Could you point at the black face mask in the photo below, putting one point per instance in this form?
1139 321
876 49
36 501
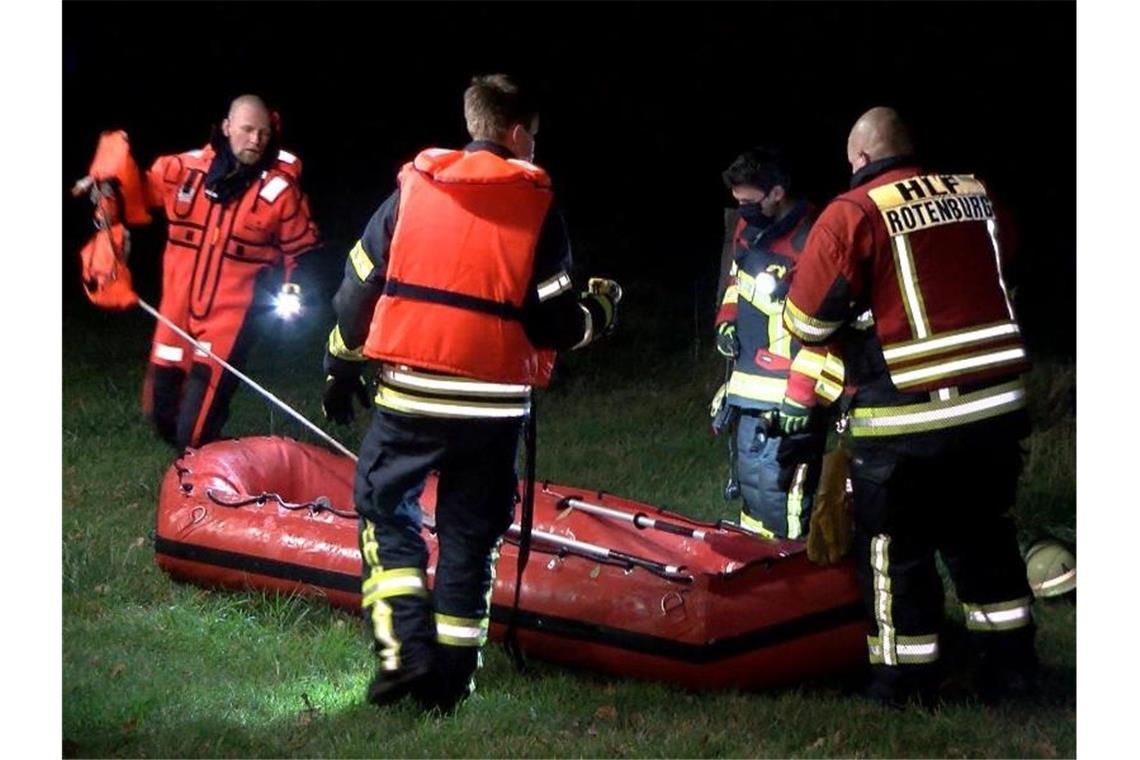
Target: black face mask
752 213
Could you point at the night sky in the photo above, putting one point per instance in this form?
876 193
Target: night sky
644 105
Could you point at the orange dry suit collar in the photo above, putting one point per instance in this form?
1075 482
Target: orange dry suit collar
227 178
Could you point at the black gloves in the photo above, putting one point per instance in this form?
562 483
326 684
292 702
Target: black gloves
337 399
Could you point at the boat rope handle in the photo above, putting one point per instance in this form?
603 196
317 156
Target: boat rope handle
316 506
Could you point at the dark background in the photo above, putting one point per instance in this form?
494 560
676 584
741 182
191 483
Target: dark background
645 104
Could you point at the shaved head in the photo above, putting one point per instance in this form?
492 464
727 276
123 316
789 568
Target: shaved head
879 133
248 101
248 127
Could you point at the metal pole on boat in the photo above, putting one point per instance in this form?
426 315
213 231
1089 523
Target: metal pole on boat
245 379
638 519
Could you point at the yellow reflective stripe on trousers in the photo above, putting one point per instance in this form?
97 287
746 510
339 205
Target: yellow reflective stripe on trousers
757 387
807 327
381 614
400 581
881 582
754 525
796 501
999 616
909 650
934 415
461 632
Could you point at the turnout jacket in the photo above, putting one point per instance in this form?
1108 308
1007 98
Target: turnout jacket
771 357
914 258
461 287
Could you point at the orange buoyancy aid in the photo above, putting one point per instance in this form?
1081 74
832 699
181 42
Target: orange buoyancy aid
106 278
460 263
113 161
212 241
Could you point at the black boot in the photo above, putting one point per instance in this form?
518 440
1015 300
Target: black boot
390 686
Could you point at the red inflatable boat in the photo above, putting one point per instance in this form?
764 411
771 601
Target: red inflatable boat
612 585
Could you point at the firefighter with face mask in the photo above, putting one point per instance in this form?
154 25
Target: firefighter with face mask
937 412
767 238
460 286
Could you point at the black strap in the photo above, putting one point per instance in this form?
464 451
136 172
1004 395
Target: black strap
530 437
450 298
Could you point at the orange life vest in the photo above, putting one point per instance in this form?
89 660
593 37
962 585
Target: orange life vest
460 263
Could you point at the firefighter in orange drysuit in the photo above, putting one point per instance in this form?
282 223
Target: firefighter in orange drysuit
235 210
461 287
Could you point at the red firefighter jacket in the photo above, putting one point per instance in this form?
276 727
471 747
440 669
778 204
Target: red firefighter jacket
920 252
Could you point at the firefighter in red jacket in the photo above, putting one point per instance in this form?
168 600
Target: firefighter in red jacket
460 286
770 231
905 272
234 210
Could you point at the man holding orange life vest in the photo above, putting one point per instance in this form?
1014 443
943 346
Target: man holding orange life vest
461 287
234 210
905 271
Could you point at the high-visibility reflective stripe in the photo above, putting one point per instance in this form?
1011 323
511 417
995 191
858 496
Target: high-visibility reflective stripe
588 334
803 326
197 153
909 650
205 346
808 362
796 501
949 340
730 295
1059 580
402 402
827 390
991 227
167 353
911 418
457 631
370 548
273 189
560 283
388 584
956 366
361 263
1000 616
908 283
757 387
402 376
286 156
880 566
757 290
751 523
339 349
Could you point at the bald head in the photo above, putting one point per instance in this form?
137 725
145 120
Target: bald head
248 128
878 134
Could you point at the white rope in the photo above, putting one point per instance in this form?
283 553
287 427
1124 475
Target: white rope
245 379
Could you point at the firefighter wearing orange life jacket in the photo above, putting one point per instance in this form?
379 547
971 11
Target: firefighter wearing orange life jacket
769 234
235 211
936 360
460 286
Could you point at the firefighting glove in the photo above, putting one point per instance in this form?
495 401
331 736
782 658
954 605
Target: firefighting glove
830 532
726 341
605 294
793 417
337 400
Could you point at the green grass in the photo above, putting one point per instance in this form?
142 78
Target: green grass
155 668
